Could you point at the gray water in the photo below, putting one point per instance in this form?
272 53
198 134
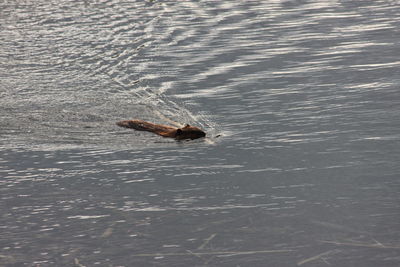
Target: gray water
300 101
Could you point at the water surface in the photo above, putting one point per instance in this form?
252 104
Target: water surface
303 95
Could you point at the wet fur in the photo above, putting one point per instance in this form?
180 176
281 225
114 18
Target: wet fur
187 132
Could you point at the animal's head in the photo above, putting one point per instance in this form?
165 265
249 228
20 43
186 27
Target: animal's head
189 132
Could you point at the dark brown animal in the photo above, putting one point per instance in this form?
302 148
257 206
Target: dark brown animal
187 132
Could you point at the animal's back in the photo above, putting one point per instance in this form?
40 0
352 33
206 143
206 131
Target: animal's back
187 132
140 125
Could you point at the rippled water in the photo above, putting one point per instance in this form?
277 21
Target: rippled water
304 96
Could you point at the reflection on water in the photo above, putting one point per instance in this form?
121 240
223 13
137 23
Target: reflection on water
303 95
